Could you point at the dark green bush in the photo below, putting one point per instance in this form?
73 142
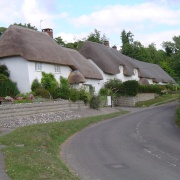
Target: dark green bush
8 88
95 102
35 85
42 93
151 89
4 70
131 87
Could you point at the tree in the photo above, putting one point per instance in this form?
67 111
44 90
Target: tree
28 25
97 37
2 30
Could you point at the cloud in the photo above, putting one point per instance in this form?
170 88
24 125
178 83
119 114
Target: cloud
25 11
70 37
123 15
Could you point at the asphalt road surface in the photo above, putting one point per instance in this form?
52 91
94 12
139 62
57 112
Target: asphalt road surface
140 146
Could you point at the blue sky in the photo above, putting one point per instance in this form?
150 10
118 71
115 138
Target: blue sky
151 21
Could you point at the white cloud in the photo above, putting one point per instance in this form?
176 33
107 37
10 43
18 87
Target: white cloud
157 37
70 37
120 15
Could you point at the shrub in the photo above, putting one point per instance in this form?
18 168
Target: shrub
3 77
4 70
85 96
131 87
151 89
95 102
35 85
113 84
64 90
8 88
74 94
49 82
42 93
105 92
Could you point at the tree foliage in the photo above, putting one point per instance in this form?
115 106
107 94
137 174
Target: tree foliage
28 25
4 70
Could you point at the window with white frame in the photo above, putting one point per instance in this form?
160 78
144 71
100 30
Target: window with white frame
57 68
38 66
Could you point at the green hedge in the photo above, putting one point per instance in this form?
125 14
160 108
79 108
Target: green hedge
151 89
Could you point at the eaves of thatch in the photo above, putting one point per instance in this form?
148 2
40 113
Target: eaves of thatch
83 65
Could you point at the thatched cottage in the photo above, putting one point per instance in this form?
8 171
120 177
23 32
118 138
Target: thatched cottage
27 53
112 64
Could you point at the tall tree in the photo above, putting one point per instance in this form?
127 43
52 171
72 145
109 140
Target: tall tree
97 37
2 30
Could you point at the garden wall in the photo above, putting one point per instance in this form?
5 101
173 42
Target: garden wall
131 101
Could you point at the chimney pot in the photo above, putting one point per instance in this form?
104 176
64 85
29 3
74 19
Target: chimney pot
114 47
106 43
49 31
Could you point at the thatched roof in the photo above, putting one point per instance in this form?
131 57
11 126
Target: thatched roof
32 45
40 47
83 65
143 81
102 56
109 60
75 77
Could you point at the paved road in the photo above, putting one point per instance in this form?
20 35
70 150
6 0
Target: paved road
143 145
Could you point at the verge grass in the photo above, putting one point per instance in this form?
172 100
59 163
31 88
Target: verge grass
178 113
158 100
32 152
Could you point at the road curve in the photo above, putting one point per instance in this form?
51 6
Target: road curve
139 146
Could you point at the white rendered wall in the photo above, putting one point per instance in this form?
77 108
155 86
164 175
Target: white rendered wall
18 68
23 72
47 68
95 83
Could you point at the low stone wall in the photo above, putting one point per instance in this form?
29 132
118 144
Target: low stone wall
131 101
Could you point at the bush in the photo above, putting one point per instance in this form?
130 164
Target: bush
151 89
35 85
85 96
113 84
131 87
95 102
42 93
49 82
8 88
105 92
4 70
74 95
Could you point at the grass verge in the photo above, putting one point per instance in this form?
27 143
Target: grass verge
158 100
32 152
178 113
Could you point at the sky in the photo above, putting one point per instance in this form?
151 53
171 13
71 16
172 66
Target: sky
150 21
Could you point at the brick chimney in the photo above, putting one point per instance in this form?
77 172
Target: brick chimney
106 43
49 31
114 47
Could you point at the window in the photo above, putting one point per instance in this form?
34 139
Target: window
38 66
57 69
